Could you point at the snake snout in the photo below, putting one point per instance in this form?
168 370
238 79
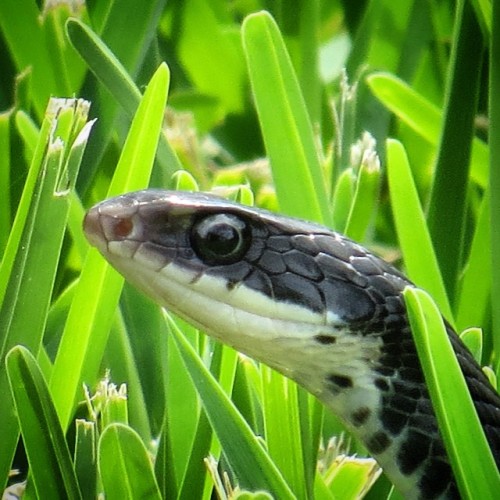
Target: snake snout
92 227
107 222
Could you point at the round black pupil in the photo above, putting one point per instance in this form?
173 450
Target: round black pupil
222 239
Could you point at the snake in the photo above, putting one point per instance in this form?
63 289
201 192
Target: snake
304 300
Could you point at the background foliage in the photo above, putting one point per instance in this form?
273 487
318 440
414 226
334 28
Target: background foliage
260 110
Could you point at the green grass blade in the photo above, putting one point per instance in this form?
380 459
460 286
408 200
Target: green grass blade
31 259
310 82
250 463
473 339
414 239
365 194
448 202
16 232
284 121
483 9
282 429
21 29
473 301
5 208
124 465
423 117
494 168
113 75
122 364
470 455
104 64
97 294
85 457
51 469
141 314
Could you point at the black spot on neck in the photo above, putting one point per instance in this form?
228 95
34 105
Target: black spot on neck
324 339
341 381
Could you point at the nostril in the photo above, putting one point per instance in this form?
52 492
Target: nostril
123 227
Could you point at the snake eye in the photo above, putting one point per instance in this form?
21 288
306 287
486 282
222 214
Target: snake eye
220 239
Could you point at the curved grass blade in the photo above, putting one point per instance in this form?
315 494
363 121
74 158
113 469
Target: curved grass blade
5 203
284 121
494 169
85 457
423 117
251 464
51 469
124 465
109 70
414 239
29 265
98 291
471 458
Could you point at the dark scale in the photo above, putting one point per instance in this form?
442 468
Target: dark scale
360 416
378 442
414 451
437 480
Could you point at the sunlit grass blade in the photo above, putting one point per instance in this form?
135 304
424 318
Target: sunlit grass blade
365 196
51 469
284 121
418 252
251 464
473 339
343 195
29 265
351 477
471 458
5 208
97 295
124 465
423 117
